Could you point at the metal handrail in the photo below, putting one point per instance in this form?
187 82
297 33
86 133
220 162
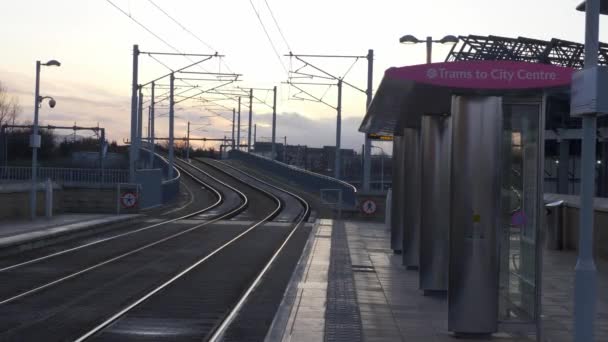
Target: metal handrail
304 171
66 175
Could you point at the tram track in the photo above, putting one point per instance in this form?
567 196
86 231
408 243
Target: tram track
218 296
131 275
50 278
227 234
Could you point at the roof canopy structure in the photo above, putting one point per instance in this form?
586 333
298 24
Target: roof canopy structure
556 51
397 100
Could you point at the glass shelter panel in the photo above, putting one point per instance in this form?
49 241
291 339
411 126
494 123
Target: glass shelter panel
520 212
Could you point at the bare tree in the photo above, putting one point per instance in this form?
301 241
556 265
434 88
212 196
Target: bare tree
9 106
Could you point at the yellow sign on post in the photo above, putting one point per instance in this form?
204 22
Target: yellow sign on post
375 136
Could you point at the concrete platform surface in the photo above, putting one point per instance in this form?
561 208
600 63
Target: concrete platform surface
20 232
390 307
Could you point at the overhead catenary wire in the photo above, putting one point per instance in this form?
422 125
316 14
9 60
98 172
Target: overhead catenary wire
130 16
181 26
143 26
274 48
151 32
277 25
188 31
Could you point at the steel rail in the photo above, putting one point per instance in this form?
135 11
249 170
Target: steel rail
142 299
121 256
223 327
218 202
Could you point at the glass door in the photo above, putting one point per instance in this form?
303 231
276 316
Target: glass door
520 195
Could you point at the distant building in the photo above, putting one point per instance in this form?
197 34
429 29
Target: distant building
319 160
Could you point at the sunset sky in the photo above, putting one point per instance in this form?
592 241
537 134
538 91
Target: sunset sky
93 41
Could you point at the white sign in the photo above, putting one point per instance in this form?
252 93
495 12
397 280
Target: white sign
128 199
369 207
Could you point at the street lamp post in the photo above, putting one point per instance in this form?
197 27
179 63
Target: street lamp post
409 39
35 138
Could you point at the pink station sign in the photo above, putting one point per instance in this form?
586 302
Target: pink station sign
485 74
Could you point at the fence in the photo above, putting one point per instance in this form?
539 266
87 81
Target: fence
309 181
65 175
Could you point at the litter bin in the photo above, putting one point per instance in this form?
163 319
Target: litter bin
555 225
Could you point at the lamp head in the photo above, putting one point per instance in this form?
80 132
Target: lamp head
52 62
52 103
449 39
408 39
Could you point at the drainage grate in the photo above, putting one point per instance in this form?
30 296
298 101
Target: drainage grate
342 316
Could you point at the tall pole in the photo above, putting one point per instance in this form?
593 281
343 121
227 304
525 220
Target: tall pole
255 131
585 283
188 143
367 152
233 121
140 104
238 128
274 123
171 122
338 131
152 127
429 50
132 147
102 147
34 141
250 118
149 124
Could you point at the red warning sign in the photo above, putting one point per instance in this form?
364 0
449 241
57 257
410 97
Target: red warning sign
369 207
128 199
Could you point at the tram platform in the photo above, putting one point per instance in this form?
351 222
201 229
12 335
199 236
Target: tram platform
372 297
25 234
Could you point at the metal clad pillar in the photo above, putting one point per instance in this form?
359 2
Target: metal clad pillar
436 135
411 202
397 196
475 214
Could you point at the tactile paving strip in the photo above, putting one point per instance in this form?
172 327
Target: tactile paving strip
342 316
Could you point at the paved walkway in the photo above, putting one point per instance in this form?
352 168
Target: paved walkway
17 232
390 306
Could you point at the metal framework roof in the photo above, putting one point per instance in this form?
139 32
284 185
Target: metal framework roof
556 51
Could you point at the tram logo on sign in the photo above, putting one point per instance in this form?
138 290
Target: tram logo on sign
369 207
128 199
431 73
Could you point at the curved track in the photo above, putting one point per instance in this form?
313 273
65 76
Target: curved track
201 302
187 285
35 283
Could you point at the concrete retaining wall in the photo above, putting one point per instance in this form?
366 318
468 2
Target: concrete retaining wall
75 198
15 200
